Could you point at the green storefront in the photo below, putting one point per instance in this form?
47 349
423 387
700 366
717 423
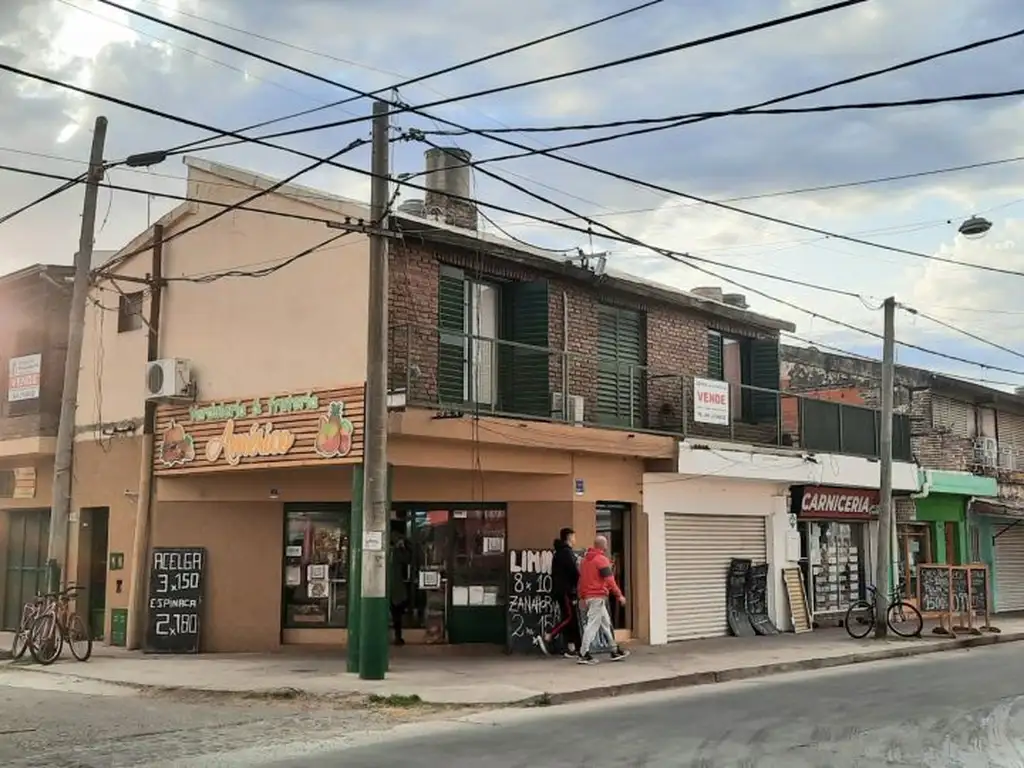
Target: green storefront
942 527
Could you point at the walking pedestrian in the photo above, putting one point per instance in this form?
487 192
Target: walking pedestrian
565 577
398 590
597 582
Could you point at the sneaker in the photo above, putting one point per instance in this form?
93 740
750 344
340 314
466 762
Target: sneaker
588 659
620 654
539 642
571 655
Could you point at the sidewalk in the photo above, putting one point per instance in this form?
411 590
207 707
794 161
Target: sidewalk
443 675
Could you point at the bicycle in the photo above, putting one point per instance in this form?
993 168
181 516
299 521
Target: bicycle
29 612
903 618
56 625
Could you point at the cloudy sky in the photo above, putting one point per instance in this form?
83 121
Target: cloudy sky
376 45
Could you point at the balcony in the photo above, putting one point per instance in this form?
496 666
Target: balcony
458 373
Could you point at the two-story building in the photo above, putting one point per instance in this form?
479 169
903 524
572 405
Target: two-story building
969 441
34 306
527 392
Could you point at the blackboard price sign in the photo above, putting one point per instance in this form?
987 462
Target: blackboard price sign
175 599
532 610
960 590
935 588
979 589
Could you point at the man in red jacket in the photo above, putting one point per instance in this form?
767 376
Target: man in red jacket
597 582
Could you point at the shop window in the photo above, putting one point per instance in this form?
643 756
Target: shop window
836 558
316 563
752 367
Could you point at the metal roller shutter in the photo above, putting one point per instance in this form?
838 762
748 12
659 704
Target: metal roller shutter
698 549
1009 567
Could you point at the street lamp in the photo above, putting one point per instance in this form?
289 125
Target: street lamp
975 227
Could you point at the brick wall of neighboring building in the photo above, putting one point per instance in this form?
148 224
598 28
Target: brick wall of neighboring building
34 320
676 338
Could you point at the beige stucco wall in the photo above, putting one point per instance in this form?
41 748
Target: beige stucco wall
303 326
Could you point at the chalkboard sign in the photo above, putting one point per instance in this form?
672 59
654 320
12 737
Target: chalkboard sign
961 592
531 610
736 598
979 590
757 600
175 599
934 588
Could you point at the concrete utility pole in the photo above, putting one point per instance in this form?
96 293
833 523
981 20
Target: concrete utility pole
60 505
884 555
373 627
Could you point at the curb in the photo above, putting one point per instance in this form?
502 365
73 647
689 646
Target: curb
687 680
692 679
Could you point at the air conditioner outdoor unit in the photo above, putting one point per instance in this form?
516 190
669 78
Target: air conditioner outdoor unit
575 414
169 379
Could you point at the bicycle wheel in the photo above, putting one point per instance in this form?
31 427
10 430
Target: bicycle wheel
20 643
44 639
860 618
79 638
904 619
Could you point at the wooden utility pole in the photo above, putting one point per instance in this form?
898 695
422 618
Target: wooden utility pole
60 506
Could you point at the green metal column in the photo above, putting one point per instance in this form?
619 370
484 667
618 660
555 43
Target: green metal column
374 644
355 570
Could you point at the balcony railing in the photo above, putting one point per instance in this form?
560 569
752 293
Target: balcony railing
462 373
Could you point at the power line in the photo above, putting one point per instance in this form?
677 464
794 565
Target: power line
961 331
821 108
60 189
192 199
869 359
400 108
412 80
121 258
624 177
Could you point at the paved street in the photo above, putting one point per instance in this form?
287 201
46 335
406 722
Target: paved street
955 710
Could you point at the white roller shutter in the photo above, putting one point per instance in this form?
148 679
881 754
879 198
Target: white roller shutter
1009 567
698 549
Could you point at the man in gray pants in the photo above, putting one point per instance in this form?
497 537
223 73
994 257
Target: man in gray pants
597 582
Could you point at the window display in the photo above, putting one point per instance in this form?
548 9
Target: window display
835 552
316 563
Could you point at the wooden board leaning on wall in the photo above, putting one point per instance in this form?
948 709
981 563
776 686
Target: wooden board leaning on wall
321 427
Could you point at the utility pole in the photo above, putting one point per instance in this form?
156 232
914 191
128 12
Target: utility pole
144 503
884 555
60 505
373 626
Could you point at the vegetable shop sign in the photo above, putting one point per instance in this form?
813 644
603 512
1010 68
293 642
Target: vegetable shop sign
308 429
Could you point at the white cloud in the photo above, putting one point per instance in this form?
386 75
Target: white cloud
95 46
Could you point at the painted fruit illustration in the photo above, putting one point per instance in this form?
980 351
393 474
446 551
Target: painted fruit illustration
334 437
176 448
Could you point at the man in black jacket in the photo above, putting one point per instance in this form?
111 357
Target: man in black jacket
565 576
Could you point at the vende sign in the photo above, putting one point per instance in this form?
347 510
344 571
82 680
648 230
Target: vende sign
711 401
23 374
822 502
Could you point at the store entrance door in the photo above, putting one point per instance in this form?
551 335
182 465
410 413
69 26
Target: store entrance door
456 576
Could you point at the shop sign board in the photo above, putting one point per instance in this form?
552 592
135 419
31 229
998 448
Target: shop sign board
316 427
711 402
825 503
23 378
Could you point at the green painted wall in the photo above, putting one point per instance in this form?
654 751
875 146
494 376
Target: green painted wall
939 509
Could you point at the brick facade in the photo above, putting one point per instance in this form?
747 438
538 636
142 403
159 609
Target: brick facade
676 337
34 319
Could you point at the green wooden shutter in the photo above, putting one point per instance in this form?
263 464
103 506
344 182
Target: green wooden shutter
716 358
524 374
620 350
452 347
764 372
